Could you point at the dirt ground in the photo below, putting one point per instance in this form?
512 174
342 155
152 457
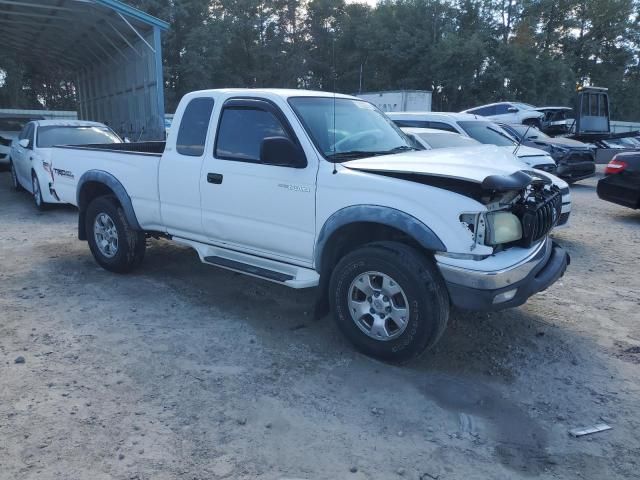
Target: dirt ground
184 371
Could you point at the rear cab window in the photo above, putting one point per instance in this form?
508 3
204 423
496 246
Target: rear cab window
192 134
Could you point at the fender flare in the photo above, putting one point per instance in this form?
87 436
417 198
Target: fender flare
381 215
115 186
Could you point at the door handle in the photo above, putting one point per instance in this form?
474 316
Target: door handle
214 178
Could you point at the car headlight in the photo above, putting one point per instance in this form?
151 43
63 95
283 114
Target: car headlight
502 227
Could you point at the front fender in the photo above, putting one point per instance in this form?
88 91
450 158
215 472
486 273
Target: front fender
381 215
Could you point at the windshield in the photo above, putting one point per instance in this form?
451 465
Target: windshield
531 132
344 127
487 133
67 135
446 140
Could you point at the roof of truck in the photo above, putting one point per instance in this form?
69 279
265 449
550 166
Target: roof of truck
281 92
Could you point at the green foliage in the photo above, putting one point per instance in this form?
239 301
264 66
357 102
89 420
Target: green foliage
467 51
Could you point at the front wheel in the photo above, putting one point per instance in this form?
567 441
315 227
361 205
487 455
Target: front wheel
114 244
37 193
389 300
15 183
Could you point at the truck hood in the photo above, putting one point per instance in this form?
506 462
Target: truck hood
464 163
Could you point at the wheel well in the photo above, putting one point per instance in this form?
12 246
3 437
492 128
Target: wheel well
354 235
89 192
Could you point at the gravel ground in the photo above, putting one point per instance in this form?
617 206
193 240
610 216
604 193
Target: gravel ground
184 371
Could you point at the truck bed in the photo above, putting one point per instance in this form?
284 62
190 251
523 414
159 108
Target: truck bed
133 165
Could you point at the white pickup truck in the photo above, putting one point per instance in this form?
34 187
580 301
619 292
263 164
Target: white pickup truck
312 189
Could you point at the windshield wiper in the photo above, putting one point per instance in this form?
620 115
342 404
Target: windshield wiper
402 148
353 154
350 155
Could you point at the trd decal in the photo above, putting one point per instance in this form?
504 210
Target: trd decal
63 173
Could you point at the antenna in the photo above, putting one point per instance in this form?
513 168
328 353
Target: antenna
524 137
335 75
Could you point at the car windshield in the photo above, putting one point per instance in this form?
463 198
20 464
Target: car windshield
447 140
344 128
70 135
487 133
531 132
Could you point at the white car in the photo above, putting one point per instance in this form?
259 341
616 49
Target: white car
29 155
509 112
430 138
315 189
479 129
10 128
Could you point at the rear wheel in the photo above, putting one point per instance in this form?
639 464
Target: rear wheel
14 177
114 244
36 192
389 300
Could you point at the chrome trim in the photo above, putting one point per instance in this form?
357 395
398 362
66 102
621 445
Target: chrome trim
496 279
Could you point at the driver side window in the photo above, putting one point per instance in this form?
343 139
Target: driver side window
242 130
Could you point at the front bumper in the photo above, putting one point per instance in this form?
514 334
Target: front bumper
508 287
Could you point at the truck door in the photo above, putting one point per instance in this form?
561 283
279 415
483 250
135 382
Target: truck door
180 167
258 208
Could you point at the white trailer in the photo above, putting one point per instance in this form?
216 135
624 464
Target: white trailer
400 100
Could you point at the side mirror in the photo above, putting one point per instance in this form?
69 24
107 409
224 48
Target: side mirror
283 152
24 142
512 110
126 140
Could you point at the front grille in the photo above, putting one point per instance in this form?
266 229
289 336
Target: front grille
539 215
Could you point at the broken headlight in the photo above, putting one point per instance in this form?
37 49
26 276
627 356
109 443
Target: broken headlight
502 227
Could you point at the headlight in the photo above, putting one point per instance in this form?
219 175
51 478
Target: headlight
502 227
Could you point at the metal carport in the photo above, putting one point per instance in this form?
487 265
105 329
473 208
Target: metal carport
113 50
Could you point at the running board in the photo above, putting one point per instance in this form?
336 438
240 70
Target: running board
269 269
249 269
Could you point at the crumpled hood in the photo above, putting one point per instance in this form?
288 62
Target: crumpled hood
467 163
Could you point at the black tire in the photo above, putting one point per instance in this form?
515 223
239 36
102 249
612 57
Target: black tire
14 177
37 193
422 285
131 244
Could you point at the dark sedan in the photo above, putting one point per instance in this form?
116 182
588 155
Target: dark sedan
575 160
621 183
